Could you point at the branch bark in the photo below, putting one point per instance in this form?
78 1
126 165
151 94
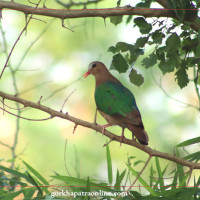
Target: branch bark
80 13
54 113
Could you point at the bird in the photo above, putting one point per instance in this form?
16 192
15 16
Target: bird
116 103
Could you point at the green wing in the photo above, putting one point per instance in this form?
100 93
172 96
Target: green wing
113 98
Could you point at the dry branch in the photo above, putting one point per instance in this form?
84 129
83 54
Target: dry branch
79 13
54 113
107 12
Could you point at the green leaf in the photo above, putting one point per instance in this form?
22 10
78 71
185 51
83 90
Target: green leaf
116 20
72 181
129 18
9 196
151 176
118 3
197 51
193 156
185 27
119 178
15 173
175 180
109 164
180 172
39 176
35 183
112 49
167 66
182 77
123 46
189 142
28 194
143 182
145 4
150 61
135 78
134 54
143 25
157 37
119 63
88 185
173 42
198 36
160 180
141 42
178 7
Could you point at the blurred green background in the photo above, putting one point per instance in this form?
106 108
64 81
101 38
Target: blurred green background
58 60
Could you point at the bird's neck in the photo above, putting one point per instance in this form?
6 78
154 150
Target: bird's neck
105 78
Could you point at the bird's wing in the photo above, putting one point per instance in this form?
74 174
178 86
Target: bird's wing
116 100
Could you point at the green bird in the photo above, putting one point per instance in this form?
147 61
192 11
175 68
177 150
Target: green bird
116 103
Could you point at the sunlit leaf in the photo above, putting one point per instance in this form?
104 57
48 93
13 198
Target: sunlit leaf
135 78
109 164
149 61
189 142
119 63
182 77
116 20
143 25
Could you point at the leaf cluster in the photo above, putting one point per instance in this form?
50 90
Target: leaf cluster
175 46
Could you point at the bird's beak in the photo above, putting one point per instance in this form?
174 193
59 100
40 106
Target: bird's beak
86 74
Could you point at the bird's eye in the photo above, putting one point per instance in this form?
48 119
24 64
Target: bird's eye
94 65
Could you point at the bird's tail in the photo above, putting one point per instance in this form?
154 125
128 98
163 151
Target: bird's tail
139 133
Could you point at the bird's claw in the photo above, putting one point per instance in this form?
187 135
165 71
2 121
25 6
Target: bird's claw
122 137
103 128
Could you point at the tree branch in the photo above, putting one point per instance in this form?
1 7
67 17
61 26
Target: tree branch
54 113
80 13
71 3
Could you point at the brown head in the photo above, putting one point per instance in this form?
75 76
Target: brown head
100 72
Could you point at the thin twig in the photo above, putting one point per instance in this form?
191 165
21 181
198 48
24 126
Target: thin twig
75 126
12 107
67 99
29 48
63 25
177 100
23 30
40 99
111 139
60 89
6 145
18 116
190 175
95 116
139 174
34 87
65 160
196 76
17 104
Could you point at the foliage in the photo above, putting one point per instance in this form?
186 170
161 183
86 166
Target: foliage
32 185
174 44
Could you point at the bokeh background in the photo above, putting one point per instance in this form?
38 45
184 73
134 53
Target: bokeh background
53 68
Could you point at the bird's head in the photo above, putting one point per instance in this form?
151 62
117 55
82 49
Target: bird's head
96 68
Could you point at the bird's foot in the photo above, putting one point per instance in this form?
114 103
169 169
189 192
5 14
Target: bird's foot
104 127
122 136
95 118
